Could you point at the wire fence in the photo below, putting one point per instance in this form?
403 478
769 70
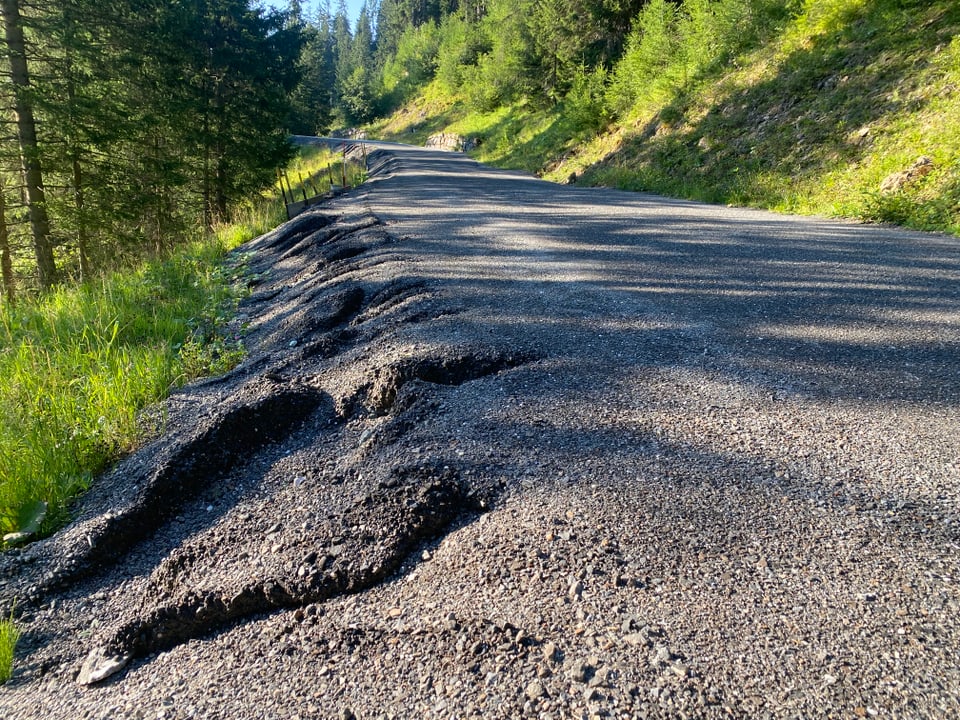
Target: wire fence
349 171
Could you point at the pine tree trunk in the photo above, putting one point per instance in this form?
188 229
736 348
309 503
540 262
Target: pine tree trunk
78 194
6 261
29 148
220 186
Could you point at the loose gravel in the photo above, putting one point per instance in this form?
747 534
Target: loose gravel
505 449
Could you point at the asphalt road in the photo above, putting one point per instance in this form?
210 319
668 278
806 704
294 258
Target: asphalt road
790 304
503 448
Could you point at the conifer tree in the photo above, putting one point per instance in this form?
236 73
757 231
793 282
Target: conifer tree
30 151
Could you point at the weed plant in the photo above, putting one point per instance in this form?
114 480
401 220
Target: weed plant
9 635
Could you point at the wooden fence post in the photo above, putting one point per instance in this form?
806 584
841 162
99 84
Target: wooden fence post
303 189
282 191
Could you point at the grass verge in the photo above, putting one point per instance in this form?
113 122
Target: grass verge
79 364
9 635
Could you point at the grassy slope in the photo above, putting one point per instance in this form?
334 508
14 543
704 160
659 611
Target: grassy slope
811 122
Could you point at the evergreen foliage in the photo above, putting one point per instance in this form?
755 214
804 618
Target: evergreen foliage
149 118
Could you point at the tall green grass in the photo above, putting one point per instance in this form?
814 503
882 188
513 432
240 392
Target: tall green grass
9 635
78 364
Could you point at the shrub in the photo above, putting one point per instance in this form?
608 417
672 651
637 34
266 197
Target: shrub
584 104
414 63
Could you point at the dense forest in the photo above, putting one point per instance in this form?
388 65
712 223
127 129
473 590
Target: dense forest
132 123
590 55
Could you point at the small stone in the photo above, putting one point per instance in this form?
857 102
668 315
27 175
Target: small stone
550 651
635 639
394 612
16 538
579 671
99 666
600 678
660 656
535 690
575 590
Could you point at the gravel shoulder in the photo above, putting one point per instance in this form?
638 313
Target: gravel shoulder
503 448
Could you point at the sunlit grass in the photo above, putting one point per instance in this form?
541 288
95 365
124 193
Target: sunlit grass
77 365
9 635
319 169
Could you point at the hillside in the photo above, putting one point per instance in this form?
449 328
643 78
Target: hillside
812 109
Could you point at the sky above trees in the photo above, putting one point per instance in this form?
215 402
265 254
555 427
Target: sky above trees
311 7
